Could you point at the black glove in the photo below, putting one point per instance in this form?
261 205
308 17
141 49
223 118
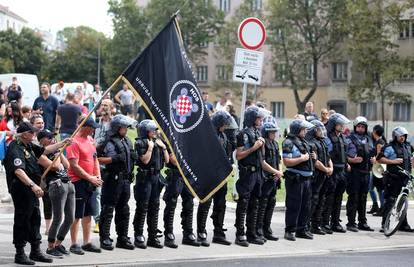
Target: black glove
119 158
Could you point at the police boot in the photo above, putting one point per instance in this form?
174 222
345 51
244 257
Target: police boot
260 218
169 238
327 213
362 218
21 257
202 214
37 255
219 236
405 227
252 222
267 220
139 220
374 208
153 211
105 220
241 211
124 242
351 210
122 225
189 237
336 214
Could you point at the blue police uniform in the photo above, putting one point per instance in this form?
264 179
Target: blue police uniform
358 179
298 185
117 177
394 182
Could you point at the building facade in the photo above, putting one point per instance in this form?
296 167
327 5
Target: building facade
10 20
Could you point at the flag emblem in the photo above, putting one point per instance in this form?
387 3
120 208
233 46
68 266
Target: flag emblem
185 104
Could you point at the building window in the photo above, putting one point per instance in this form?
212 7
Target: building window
402 112
202 73
369 110
222 73
257 5
280 72
405 29
278 109
225 5
340 71
338 105
309 71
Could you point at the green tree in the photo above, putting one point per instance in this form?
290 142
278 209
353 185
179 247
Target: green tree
375 56
199 21
303 34
130 27
21 53
79 60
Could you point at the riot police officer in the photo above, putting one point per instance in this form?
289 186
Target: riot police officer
175 187
360 156
152 153
395 154
323 169
221 120
118 156
271 182
336 184
250 157
298 158
23 179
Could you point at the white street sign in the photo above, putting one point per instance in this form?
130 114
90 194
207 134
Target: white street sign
248 66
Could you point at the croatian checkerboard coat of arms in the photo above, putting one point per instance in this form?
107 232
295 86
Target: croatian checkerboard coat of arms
186 107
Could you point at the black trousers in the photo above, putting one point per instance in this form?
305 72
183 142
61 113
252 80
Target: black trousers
298 197
115 197
357 189
26 226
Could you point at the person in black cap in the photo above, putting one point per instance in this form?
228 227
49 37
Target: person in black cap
61 194
23 180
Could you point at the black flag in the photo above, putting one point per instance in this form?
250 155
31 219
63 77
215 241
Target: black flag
163 78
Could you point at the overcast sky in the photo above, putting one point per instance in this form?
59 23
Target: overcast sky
54 15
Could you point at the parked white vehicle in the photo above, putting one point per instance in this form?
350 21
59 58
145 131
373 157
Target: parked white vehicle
28 82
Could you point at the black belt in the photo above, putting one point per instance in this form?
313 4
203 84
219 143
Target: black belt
250 168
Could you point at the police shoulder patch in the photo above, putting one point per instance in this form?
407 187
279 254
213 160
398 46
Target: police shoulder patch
17 162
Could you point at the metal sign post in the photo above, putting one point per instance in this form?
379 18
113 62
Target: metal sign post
243 105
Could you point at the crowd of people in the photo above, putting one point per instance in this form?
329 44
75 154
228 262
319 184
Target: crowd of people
93 177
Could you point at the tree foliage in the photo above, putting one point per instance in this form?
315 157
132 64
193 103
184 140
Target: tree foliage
377 64
199 21
21 53
79 60
130 27
303 34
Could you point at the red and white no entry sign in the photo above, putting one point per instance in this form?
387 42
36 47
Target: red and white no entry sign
252 33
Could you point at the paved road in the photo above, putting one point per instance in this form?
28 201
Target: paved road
323 251
387 258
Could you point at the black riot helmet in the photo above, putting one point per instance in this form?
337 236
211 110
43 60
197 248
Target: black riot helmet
318 125
221 118
297 125
269 127
145 126
336 119
119 121
252 113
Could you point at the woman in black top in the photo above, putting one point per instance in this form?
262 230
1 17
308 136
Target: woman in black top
62 195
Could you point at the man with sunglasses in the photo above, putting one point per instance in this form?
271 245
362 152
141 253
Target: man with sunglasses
23 180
